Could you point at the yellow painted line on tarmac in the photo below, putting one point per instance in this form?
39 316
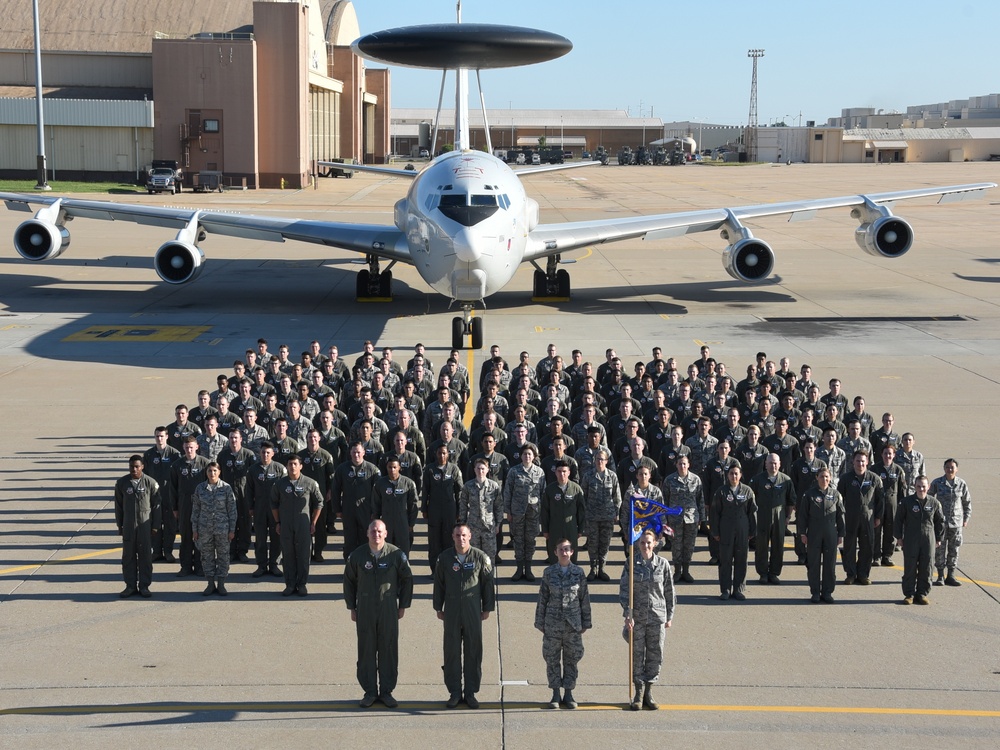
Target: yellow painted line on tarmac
435 707
470 363
86 556
159 334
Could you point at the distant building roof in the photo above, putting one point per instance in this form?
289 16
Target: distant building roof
531 118
909 134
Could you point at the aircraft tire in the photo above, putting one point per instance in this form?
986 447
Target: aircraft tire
457 333
538 284
385 284
562 277
362 284
477 333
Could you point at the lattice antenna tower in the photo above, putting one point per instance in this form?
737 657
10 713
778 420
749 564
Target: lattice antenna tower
750 137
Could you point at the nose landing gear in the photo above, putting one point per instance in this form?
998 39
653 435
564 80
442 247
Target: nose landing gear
466 326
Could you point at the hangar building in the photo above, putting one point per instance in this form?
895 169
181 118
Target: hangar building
256 89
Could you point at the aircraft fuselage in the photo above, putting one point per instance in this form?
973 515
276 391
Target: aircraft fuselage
466 219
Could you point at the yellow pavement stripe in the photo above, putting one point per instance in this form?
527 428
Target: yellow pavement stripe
470 361
435 706
99 553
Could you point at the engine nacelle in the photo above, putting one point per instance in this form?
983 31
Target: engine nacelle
39 240
748 260
178 262
530 213
887 237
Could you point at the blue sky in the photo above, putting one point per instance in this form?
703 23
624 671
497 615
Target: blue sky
689 61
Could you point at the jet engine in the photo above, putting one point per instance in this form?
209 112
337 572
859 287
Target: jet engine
39 240
178 262
748 260
887 237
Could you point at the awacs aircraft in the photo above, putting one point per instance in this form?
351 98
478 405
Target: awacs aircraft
466 223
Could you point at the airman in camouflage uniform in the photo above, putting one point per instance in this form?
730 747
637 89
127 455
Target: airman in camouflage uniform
522 495
563 616
956 504
603 497
213 520
683 489
480 507
651 613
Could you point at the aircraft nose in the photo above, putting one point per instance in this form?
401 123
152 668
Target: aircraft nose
467 247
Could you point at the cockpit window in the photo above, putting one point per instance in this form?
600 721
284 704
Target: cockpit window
468 210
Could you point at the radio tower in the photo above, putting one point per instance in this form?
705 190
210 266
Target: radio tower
750 138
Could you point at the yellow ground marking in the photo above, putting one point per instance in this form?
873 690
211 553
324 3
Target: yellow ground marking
160 334
99 553
540 329
470 409
435 706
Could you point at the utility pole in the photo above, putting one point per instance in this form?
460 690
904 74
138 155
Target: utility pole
750 138
42 182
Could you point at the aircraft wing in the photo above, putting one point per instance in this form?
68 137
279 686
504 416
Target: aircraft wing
385 241
554 167
552 239
392 171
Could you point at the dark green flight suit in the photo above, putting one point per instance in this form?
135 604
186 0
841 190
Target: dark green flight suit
463 591
920 524
377 587
563 514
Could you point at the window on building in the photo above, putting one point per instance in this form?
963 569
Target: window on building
818 137
210 126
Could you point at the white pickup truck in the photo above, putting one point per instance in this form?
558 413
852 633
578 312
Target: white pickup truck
164 177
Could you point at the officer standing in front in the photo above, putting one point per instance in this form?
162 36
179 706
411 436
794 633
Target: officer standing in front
464 596
821 531
563 616
137 515
918 528
296 503
378 589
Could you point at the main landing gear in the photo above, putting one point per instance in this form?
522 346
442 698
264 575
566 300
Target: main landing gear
373 284
552 284
466 325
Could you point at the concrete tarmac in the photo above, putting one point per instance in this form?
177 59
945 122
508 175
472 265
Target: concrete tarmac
96 353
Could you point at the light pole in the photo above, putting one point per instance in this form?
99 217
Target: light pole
42 184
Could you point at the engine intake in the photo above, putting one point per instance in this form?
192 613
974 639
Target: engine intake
887 237
178 262
39 240
748 260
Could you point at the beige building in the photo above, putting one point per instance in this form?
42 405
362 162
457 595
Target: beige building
256 89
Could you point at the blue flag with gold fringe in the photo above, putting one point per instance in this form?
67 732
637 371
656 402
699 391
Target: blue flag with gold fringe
649 515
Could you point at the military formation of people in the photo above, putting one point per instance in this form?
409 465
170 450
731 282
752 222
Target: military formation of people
269 462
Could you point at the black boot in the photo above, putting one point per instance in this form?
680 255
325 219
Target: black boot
220 587
210 588
686 574
518 574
